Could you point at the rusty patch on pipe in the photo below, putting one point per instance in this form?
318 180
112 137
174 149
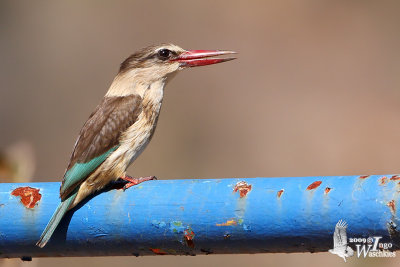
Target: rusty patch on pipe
280 192
364 176
227 223
188 235
391 204
327 190
392 229
314 185
29 196
395 178
158 251
243 188
383 180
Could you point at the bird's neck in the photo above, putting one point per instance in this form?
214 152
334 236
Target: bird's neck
152 98
132 83
151 92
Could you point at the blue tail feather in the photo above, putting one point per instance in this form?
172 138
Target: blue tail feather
55 220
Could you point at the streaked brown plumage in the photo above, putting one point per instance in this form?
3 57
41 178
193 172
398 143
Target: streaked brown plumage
102 130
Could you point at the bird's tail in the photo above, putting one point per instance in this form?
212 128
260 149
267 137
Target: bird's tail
55 220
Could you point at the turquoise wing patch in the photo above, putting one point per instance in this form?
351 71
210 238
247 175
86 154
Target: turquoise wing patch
80 171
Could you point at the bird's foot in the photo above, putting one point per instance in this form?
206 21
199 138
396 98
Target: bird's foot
135 181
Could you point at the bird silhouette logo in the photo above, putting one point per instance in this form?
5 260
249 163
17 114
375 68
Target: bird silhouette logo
340 246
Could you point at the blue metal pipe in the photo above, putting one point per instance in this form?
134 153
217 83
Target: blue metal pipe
250 215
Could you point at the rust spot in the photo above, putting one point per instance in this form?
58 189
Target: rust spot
227 223
314 185
392 229
29 196
364 176
327 189
227 236
158 251
280 192
189 236
395 178
243 188
383 180
391 204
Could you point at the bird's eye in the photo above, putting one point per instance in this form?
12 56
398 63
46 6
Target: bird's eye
164 54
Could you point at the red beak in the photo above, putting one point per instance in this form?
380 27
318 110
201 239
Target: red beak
195 58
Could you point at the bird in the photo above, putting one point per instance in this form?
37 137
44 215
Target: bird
340 246
123 123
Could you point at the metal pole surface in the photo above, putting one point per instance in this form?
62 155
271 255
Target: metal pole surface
202 216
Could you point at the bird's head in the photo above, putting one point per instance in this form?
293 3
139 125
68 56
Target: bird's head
157 62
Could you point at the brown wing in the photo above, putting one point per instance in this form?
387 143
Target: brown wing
100 133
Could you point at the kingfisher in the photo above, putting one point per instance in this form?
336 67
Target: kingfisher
122 125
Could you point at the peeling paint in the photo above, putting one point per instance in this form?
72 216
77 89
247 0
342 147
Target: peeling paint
158 224
176 227
243 188
171 251
395 178
364 176
158 251
228 223
247 228
314 185
189 236
236 222
97 232
29 196
99 235
391 204
383 180
327 190
392 229
227 236
280 192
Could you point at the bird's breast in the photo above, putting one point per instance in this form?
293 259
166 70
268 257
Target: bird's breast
135 139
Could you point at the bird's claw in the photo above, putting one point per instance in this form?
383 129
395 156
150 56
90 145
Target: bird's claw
135 181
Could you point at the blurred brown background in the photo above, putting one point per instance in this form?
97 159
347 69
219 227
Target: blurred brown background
315 91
